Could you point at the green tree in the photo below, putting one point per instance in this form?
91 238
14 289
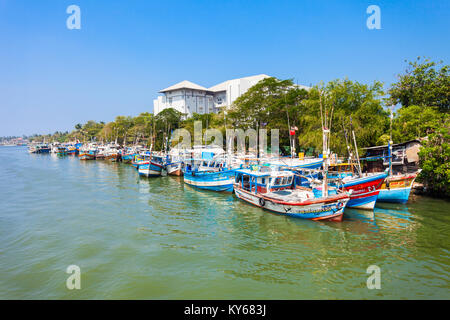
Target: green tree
341 100
424 83
416 122
435 162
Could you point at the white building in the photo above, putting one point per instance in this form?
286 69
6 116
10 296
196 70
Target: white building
189 98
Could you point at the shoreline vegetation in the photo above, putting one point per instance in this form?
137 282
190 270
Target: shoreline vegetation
421 97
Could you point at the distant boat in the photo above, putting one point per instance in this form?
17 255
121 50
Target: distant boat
39 148
112 153
61 151
174 168
88 152
72 150
128 154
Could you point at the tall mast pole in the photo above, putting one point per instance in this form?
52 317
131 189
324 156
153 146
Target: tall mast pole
325 133
356 148
390 142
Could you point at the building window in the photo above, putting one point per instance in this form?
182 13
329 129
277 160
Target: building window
170 100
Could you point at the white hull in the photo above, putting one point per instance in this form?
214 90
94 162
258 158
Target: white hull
314 211
366 206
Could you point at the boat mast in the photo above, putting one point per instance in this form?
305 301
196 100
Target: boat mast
346 143
325 133
356 147
390 143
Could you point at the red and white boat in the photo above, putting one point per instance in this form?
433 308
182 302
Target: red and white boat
276 191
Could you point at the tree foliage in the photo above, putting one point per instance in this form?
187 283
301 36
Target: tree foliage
435 161
424 83
424 94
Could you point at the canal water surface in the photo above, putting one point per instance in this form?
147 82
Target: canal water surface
140 238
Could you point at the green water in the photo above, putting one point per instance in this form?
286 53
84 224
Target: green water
140 238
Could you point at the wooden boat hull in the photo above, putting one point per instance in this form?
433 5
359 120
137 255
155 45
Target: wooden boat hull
86 156
150 169
127 158
174 169
396 189
112 157
365 191
331 208
214 181
41 150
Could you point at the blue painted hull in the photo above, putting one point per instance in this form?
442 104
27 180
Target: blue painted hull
150 170
400 195
362 202
214 181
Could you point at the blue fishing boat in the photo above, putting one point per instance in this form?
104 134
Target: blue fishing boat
365 190
208 180
151 167
397 188
209 175
39 148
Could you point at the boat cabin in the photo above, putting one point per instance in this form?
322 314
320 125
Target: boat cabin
264 180
213 165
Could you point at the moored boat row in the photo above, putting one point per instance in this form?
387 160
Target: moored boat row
307 188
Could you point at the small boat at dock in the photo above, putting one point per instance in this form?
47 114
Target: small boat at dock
39 148
88 152
151 166
276 191
397 188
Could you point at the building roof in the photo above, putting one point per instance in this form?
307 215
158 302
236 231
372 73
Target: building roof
393 145
223 85
184 85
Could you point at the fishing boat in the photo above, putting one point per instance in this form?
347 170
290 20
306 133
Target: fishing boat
151 166
127 154
88 152
175 161
365 186
397 188
61 151
39 148
365 189
112 153
72 150
276 191
209 175
212 171
101 153
175 168
140 158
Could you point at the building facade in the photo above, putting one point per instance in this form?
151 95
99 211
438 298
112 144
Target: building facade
188 97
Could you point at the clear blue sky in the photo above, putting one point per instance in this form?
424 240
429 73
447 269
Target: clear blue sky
126 51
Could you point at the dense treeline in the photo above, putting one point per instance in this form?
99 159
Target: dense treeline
421 97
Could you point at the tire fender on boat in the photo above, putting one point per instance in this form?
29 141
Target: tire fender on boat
262 202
